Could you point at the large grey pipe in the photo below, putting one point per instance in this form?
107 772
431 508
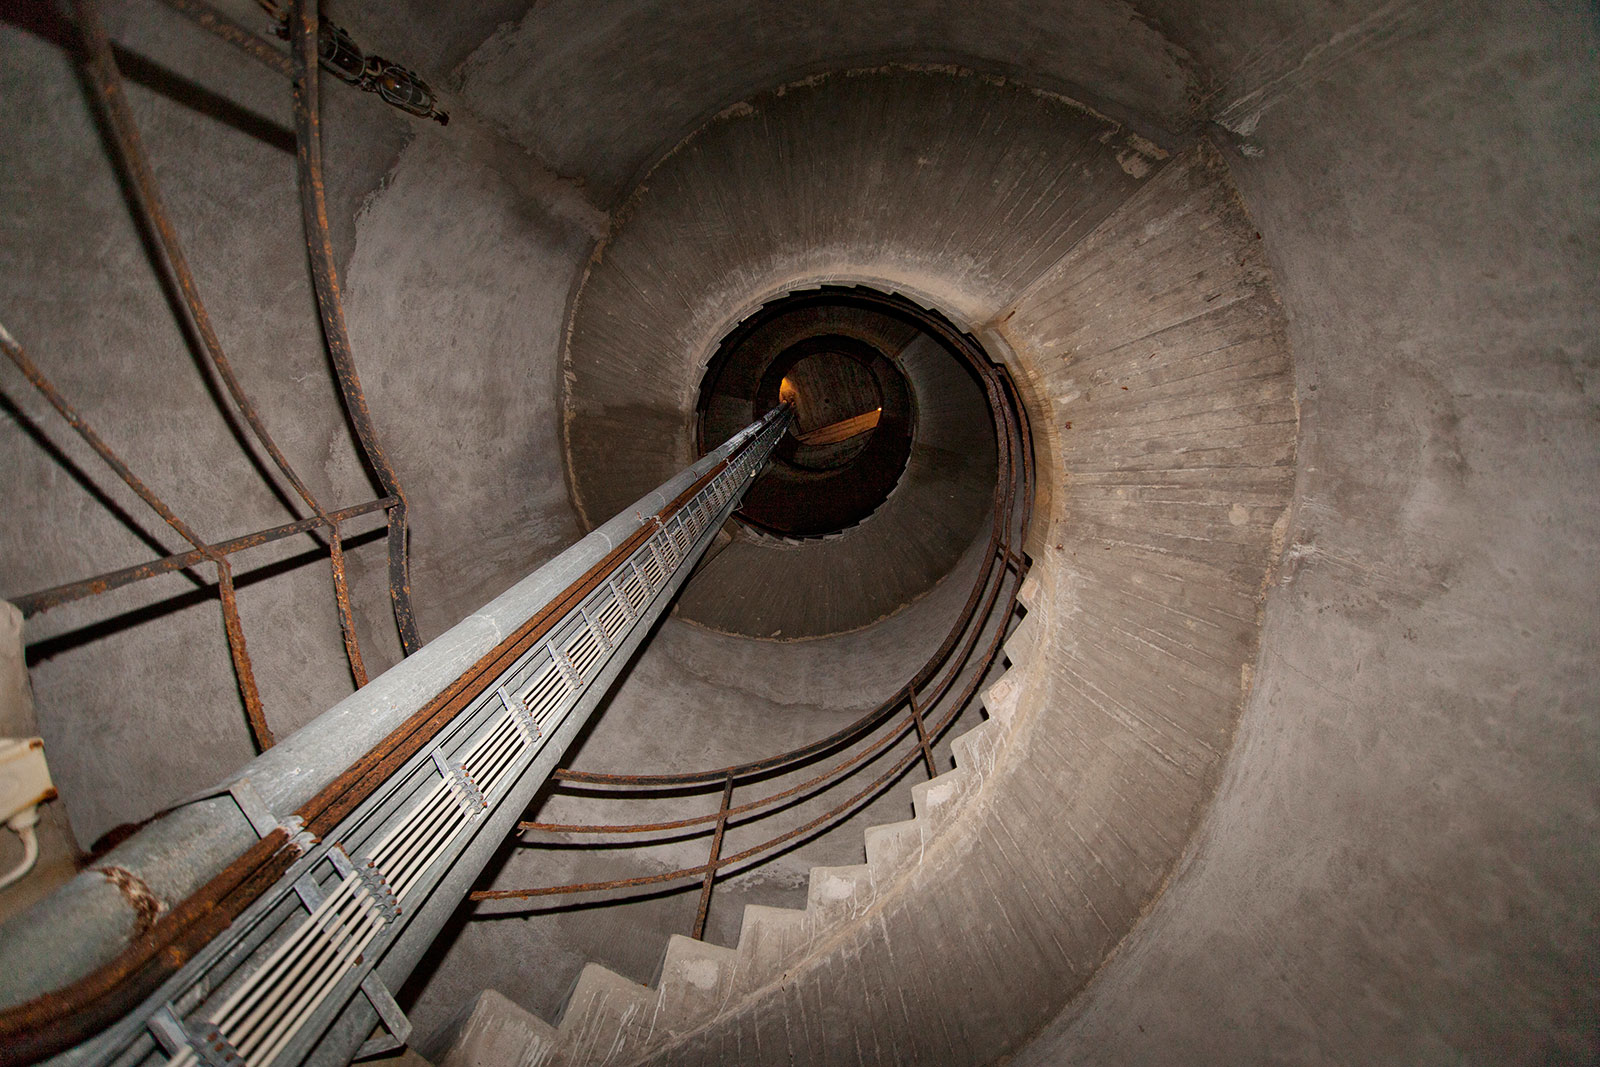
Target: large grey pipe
88 921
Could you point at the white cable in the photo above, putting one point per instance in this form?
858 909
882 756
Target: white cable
23 823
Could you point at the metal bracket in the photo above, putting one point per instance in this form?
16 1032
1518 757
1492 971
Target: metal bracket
371 879
205 1040
597 630
253 806
569 673
213 1049
520 715
395 1024
168 1031
466 791
623 601
644 582
309 892
667 560
378 891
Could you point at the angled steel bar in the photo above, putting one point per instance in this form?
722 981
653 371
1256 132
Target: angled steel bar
922 731
711 868
251 43
105 86
31 604
230 607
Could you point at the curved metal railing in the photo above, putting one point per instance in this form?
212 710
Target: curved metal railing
926 707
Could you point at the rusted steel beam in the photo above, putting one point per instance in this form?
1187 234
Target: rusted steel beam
33 603
105 86
325 280
231 623
711 864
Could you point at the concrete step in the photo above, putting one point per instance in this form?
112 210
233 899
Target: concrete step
608 1019
498 1032
696 978
611 1020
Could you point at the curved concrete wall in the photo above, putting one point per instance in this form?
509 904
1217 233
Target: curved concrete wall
1169 436
1399 862
1415 175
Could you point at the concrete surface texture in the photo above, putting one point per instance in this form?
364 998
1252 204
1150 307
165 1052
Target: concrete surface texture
1296 758
1171 437
694 699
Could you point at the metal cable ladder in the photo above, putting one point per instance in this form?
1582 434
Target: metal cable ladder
305 971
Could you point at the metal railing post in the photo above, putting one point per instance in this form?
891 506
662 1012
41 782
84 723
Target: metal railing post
711 864
922 731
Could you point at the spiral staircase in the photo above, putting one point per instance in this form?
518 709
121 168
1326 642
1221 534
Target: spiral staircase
1166 426
1289 757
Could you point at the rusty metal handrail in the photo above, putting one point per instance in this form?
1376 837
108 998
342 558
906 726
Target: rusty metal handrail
1013 498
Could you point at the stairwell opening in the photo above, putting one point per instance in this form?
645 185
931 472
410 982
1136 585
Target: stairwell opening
892 443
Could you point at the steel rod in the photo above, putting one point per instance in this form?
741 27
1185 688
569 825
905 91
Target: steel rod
252 44
254 713
325 280
231 623
716 853
922 732
105 85
33 603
